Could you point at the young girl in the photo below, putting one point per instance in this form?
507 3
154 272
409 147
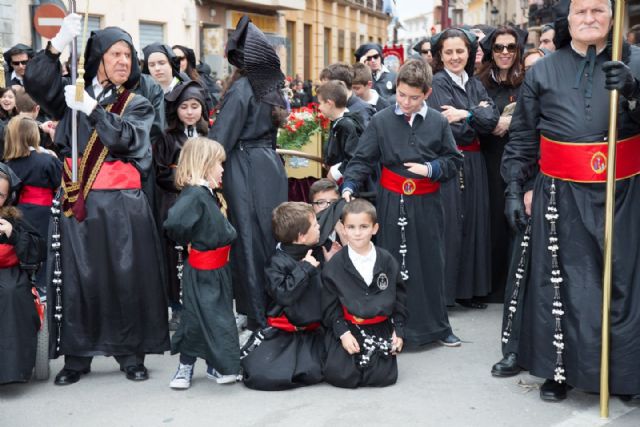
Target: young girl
186 118
40 173
19 322
207 328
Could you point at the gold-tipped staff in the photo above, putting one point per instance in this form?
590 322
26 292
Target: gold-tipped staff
80 80
2 82
609 216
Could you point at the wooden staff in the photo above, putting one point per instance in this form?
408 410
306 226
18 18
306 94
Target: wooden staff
74 113
609 215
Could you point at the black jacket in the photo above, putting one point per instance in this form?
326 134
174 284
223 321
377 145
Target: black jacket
343 140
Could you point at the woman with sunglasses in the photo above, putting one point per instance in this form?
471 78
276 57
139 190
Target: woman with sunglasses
470 111
423 48
501 73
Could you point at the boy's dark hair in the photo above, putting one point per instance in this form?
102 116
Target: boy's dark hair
321 186
416 73
338 71
358 206
361 74
24 103
290 219
333 90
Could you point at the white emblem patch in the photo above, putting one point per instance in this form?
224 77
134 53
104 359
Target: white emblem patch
382 282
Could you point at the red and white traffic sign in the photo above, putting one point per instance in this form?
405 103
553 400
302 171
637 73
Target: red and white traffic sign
47 19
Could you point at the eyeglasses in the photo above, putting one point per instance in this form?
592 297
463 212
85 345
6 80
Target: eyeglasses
499 48
323 204
425 51
372 57
16 63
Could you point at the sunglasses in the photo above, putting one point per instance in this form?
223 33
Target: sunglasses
425 51
16 63
499 48
372 57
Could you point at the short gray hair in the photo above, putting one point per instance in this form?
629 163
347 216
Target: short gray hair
609 3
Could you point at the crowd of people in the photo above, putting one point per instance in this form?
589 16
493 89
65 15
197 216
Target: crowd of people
471 175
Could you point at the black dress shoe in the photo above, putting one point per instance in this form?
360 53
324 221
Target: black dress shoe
552 391
68 376
632 398
136 372
507 367
472 303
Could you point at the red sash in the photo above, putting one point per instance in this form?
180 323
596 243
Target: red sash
36 196
474 146
116 175
360 321
209 260
587 162
407 186
75 193
283 323
8 257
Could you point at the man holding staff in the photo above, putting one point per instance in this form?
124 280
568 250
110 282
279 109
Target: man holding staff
566 126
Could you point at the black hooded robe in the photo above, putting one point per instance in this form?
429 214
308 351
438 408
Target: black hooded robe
111 260
19 321
390 141
467 238
552 107
254 183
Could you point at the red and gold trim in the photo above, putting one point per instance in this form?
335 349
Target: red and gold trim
407 186
360 321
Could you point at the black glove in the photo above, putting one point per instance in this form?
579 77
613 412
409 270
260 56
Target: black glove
514 206
619 76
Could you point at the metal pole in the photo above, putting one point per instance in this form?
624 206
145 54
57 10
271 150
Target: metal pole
74 113
609 216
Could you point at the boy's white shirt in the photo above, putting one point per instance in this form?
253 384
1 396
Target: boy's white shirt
364 263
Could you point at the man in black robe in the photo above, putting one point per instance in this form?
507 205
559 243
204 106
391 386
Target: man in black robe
105 261
562 120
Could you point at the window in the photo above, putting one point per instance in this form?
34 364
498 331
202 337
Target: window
327 46
150 33
93 24
291 47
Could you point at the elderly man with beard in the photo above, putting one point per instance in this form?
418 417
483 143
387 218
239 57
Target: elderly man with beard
107 263
561 123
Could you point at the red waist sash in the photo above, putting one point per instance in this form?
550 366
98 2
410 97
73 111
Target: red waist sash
36 195
587 162
282 323
8 257
360 321
407 186
209 260
474 146
116 175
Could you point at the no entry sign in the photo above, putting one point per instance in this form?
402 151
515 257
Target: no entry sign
47 19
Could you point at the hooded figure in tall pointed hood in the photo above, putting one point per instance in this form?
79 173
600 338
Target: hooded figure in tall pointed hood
255 181
108 250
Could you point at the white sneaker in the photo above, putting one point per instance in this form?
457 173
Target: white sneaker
182 379
212 374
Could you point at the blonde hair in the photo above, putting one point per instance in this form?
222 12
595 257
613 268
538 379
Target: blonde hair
21 133
197 158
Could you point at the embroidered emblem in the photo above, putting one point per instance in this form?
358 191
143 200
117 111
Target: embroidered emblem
409 186
389 85
599 162
382 282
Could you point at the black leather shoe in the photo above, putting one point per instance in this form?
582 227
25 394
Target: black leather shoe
136 372
507 367
552 391
472 303
68 376
631 398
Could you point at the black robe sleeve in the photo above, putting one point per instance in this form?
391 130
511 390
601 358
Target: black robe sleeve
365 159
43 81
399 316
166 154
232 116
332 308
26 242
287 279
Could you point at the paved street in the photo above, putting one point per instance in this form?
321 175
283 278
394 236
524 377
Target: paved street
437 386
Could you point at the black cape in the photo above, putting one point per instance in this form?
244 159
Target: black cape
551 106
390 142
467 253
254 183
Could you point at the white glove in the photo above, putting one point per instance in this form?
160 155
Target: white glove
87 105
334 171
71 27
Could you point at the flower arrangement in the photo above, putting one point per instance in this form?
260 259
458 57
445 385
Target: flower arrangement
300 125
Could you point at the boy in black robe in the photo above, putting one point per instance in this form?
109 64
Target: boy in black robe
364 306
291 352
414 145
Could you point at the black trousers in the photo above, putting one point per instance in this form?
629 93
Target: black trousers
83 363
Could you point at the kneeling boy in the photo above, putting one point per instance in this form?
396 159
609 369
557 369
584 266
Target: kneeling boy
364 306
289 353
